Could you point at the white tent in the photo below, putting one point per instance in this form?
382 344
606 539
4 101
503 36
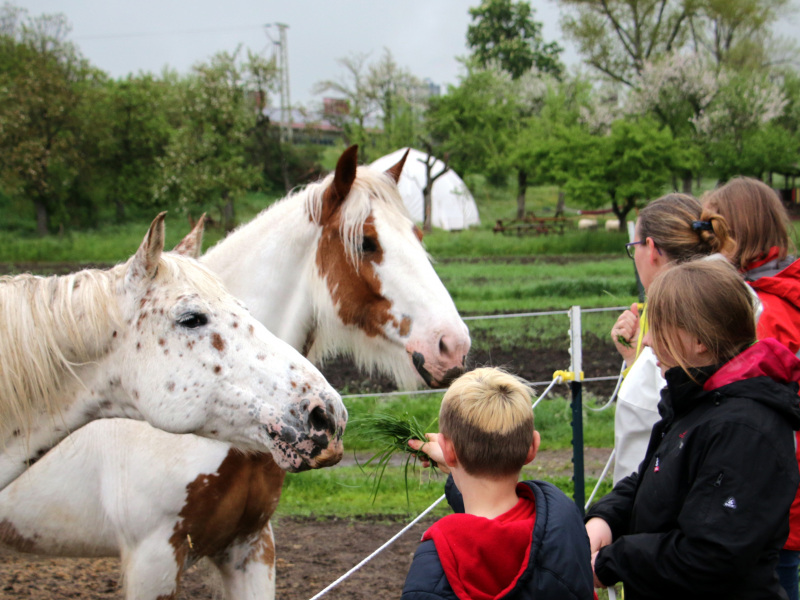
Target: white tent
453 206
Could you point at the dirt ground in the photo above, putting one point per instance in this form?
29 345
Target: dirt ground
311 554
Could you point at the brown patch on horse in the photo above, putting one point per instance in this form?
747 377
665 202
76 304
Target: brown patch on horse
356 293
417 232
232 504
265 548
10 536
218 342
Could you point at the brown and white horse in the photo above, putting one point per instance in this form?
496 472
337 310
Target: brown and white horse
338 267
159 339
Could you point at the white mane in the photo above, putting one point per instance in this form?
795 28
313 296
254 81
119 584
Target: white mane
49 325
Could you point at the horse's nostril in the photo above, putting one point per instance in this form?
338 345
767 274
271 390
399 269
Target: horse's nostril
443 346
318 419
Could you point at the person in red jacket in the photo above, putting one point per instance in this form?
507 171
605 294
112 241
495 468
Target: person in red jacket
760 225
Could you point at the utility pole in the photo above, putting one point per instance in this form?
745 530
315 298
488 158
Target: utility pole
282 51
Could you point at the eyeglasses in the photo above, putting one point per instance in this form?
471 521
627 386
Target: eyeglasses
629 248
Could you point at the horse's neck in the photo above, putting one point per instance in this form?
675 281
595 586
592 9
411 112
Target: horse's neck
93 391
269 265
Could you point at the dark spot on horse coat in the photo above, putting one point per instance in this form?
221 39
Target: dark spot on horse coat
405 326
227 506
218 342
217 369
171 386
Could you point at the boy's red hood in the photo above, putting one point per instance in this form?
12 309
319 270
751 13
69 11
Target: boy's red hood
483 558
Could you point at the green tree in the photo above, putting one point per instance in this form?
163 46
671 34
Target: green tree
205 166
43 83
743 131
625 167
619 37
131 116
401 99
505 32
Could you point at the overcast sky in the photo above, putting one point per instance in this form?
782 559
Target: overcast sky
424 36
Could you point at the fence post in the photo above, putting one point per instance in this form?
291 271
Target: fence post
576 366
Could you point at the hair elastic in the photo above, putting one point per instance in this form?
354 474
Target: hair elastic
702 226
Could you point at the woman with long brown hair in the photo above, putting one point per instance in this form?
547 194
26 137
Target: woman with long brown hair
707 512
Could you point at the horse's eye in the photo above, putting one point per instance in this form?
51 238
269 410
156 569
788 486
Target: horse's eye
192 320
368 245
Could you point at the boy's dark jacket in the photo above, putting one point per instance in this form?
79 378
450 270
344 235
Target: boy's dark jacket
707 512
558 565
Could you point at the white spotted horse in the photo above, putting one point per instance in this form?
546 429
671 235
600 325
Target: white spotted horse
157 338
337 267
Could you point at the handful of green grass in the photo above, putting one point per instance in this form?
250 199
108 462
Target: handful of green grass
391 433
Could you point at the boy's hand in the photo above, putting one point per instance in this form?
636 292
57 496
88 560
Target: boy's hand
432 449
624 333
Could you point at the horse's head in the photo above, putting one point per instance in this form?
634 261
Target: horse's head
195 361
381 293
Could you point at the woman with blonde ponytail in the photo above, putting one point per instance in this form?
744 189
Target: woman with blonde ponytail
670 230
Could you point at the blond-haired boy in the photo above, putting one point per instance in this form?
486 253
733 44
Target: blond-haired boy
507 539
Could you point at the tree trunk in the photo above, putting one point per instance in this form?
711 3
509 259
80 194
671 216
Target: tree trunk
560 204
120 206
427 225
522 188
42 217
228 213
687 184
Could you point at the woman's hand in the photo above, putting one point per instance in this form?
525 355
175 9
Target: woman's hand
625 332
599 533
597 582
432 449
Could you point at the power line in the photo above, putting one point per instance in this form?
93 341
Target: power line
161 33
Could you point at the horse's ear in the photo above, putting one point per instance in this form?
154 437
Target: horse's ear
144 264
395 171
192 244
343 179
